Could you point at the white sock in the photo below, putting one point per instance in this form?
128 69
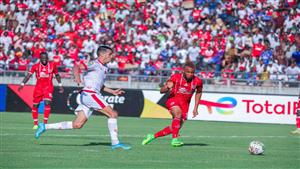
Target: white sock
113 130
60 126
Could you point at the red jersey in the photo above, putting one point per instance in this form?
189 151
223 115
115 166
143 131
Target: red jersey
122 60
184 90
23 63
44 74
257 49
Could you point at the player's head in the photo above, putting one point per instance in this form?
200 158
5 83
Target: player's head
105 53
189 71
44 58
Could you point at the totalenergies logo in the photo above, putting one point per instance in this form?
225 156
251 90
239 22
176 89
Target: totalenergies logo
220 105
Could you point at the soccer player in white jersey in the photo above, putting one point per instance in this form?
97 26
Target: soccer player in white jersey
91 99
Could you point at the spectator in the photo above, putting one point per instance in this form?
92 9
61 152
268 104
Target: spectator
216 33
293 72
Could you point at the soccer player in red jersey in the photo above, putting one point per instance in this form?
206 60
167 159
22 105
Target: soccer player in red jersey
297 131
182 86
43 90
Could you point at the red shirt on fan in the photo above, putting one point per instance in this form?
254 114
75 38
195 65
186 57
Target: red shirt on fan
73 51
44 74
23 63
37 51
57 60
122 60
196 14
258 48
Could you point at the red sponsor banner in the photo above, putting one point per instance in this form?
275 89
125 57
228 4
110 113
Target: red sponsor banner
26 94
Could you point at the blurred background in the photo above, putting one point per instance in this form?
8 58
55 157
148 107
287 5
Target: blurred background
232 43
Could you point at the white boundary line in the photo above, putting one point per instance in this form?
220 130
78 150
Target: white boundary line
141 136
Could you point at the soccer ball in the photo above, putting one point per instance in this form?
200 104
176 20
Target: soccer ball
256 148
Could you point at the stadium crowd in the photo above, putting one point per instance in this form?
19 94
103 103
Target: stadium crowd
241 39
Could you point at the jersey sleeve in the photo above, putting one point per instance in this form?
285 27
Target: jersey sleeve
33 69
172 78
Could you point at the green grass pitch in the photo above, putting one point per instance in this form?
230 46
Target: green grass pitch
207 145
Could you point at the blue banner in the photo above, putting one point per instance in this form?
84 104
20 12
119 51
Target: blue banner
3 88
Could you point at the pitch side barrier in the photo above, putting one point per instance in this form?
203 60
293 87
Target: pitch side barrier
214 106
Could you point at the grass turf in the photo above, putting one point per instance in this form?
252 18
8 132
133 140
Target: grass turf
207 145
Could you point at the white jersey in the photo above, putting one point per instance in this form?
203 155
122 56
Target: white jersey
94 77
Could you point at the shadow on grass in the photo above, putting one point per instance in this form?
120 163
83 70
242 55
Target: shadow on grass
195 144
90 144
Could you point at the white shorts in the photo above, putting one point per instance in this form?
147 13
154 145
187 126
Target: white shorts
89 101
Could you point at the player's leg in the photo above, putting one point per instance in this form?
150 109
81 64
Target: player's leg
35 115
47 96
297 131
150 137
37 98
165 131
176 122
78 123
47 110
112 125
176 125
97 102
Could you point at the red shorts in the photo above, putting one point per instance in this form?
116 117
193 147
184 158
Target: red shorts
184 106
42 93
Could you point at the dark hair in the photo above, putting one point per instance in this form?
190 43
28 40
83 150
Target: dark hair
44 53
189 64
103 48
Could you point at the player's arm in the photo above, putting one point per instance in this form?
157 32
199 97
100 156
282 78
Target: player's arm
114 92
24 81
27 77
166 87
197 100
58 79
76 72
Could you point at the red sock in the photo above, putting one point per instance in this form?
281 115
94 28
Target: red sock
35 115
175 127
163 132
46 113
298 122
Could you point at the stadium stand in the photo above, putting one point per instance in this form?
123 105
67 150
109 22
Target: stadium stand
254 42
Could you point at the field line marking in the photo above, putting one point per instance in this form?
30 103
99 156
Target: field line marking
141 136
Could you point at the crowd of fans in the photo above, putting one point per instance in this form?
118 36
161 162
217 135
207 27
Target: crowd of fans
230 39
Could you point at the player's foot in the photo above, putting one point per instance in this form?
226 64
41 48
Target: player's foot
121 145
176 143
148 139
297 131
34 127
40 130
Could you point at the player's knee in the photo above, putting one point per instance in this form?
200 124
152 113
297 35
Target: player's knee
113 114
177 115
47 102
77 125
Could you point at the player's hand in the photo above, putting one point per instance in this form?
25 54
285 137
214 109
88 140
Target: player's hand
169 84
118 92
195 113
61 89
